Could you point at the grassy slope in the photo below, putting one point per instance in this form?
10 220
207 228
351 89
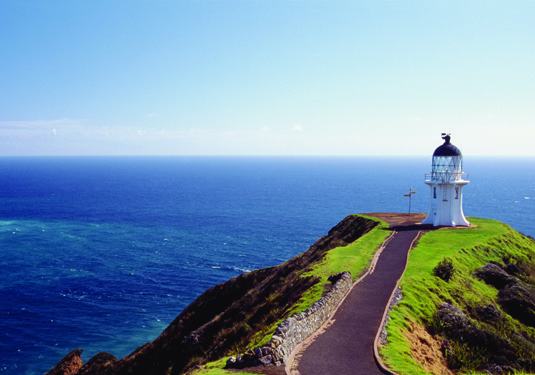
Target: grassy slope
244 311
469 249
241 322
355 258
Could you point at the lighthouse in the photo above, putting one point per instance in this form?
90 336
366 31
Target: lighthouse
446 181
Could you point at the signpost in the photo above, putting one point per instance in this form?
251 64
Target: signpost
411 192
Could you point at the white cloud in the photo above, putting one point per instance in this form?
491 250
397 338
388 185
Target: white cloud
38 128
81 137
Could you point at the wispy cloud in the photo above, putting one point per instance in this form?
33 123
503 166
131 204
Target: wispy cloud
73 129
81 137
39 128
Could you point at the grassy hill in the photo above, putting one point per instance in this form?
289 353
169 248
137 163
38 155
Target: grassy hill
244 311
468 304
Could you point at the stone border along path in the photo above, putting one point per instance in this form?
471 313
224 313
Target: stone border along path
347 343
297 328
294 331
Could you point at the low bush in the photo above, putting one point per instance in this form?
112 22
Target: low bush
444 269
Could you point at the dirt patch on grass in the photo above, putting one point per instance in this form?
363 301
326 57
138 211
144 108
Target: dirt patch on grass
395 219
426 350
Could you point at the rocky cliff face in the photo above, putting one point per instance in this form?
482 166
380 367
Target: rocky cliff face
70 364
225 317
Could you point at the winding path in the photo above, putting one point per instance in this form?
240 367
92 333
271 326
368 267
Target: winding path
346 346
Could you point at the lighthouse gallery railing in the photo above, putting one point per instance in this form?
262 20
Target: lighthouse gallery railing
446 176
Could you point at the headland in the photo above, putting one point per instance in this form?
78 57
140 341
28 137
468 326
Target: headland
246 312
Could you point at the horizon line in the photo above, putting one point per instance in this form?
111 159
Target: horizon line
256 155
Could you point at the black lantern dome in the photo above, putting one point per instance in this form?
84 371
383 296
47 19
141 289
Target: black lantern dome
447 149
447 161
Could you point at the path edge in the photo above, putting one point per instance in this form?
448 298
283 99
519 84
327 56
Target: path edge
379 362
291 358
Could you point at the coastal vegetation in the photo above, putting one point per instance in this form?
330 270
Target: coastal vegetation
468 305
243 312
469 293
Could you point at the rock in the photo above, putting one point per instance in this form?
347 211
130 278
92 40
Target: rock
266 361
334 278
519 302
191 339
458 327
275 341
231 362
454 321
277 357
71 363
494 369
512 269
298 327
517 299
495 276
249 355
489 313
98 360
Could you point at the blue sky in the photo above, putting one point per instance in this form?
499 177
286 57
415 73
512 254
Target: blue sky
162 77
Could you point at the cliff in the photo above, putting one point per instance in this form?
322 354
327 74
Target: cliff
228 318
466 304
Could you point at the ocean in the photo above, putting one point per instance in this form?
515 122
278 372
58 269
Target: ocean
102 253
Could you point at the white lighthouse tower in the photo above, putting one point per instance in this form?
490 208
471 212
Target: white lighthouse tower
446 181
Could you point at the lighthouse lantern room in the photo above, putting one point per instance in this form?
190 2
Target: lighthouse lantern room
446 181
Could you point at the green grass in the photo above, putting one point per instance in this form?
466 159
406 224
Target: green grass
216 368
468 249
422 291
355 258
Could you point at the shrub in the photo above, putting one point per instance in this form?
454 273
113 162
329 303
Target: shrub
444 269
464 357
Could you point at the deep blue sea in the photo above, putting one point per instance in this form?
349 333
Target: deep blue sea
102 253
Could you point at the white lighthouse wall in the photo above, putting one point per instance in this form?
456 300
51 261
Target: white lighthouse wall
444 216
433 207
446 205
457 207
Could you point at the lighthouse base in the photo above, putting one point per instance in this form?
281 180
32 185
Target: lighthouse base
446 207
433 218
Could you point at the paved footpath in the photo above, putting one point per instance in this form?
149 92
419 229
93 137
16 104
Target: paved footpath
346 346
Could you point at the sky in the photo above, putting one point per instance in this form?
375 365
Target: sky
259 77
